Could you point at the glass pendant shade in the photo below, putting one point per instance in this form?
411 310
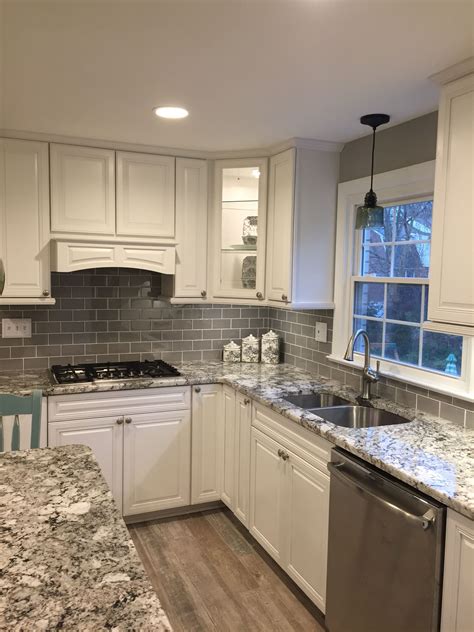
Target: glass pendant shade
369 214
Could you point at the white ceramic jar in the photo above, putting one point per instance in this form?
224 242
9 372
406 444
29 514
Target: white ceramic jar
231 352
270 348
250 349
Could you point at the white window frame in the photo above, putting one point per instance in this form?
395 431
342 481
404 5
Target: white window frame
410 183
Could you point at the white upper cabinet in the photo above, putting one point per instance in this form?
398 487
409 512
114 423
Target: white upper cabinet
451 296
301 227
82 190
191 229
24 220
237 253
145 195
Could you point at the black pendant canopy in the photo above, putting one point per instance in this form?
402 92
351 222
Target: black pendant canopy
370 215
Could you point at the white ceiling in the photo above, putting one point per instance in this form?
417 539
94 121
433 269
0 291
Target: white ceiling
251 72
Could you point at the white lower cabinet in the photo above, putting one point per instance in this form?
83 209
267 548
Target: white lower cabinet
156 463
289 499
307 509
228 470
457 614
267 473
142 441
243 422
207 444
103 435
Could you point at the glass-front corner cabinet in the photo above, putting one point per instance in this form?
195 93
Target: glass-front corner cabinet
239 228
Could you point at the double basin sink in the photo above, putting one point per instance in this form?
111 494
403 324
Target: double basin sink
341 412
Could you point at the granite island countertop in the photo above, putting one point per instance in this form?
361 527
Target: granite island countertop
433 455
67 560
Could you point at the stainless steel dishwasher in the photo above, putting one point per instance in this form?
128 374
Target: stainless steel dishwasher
385 556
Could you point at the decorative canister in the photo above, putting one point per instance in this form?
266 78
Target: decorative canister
231 352
249 230
250 349
270 348
249 272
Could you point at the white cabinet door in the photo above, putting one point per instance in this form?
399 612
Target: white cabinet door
280 226
229 446
145 195
307 519
243 421
457 613
191 228
105 438
82 190
24 218
156 461
451 297
267 489
207 444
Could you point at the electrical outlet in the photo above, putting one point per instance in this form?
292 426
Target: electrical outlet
16 327
321 332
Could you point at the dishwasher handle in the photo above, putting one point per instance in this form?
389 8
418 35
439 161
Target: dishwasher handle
337 469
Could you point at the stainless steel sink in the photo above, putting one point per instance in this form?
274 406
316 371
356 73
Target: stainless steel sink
316 400
358 416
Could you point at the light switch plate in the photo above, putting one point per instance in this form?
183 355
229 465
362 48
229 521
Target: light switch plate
16 327
321 332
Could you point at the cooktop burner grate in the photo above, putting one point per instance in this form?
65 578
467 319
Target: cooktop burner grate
75 374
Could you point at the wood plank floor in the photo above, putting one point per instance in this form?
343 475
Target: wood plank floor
210 574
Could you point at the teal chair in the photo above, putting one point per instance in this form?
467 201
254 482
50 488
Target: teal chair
17 405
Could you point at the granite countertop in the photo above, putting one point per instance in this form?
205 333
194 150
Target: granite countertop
430 454
66 558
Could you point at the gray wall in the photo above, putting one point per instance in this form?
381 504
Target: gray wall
400 146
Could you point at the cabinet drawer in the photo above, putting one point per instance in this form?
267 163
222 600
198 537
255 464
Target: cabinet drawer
91 405
302 442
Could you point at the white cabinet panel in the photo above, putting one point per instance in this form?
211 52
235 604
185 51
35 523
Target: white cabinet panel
457 613
191 228
104 437
243 421
267 494
82 190
229 446
145 195
240 211
156 465
451 297
207 443
307 513
280 225
24 218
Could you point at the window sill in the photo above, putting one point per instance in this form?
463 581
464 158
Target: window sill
424 383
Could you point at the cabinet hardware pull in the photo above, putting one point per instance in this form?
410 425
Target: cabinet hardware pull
128 420
284 297
246 401
203 293
285 456
197 389
280 453
45 293
119 421
259 295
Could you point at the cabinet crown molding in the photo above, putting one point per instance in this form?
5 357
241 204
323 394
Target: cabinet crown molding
456 71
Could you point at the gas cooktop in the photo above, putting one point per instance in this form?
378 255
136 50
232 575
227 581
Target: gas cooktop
77 373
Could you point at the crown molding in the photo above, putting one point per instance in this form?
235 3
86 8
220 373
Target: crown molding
457 71
256 152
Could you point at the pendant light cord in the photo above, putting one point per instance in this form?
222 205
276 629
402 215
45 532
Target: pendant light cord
373 154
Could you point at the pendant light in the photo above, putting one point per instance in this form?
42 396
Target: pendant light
370 215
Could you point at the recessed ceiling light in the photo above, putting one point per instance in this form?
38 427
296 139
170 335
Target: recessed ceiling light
171 112
256 173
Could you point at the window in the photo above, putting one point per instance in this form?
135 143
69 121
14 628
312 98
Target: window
390 291
382 285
